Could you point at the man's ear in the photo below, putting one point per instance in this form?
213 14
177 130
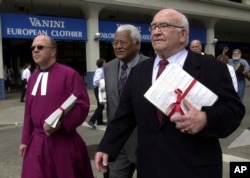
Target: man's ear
183 35
53 52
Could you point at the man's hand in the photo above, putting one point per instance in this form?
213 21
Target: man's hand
246 73
101 162
225 50
49 130
193 122
22 149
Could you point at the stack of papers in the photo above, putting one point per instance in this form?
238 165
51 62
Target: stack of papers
173 81
63 109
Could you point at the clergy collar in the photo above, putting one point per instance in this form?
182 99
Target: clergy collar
47 69
44 70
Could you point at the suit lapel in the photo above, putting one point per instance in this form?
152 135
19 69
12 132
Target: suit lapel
147 74
114 77
192 65
115 73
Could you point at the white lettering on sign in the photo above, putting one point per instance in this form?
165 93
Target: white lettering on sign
107 35
25 31
66 33
35 32
46 23
145 37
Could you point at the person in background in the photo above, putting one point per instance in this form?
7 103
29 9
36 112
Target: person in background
25 77
7 77
49 152
98 114
241 68
126 44
224 58
184 145
196 47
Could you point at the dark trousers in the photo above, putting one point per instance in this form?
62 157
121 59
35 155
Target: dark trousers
24 83
7 83
97 116
106 175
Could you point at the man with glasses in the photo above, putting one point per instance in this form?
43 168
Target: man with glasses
126 44
184 145
53 152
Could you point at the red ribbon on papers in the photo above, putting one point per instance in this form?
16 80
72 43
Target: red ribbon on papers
62 110
180 96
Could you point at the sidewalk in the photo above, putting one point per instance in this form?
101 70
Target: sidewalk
11 115
12 109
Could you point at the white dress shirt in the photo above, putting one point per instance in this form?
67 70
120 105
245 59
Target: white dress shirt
26 74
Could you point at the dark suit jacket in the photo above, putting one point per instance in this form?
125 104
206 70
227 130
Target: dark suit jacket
111 75
163 151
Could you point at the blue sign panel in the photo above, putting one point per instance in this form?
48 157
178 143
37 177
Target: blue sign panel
198 34
29 26
107 30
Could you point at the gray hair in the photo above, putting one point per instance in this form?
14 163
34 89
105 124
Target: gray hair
237 50
184 23
134 32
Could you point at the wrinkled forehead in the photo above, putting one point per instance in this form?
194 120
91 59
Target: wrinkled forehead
42 40
125 35
165 16
195 43
236 51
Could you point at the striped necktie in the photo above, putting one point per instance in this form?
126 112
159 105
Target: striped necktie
123 77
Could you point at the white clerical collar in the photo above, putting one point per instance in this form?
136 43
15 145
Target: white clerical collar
44 77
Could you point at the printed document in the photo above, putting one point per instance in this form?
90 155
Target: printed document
63 109
173 85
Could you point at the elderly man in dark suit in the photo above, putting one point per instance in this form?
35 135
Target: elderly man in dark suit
183 145
126 45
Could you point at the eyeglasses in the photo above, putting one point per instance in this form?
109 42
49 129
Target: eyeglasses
162 26
39 47
115 44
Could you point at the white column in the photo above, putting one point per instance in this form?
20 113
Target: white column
92 45
210 45
1 51
2 88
